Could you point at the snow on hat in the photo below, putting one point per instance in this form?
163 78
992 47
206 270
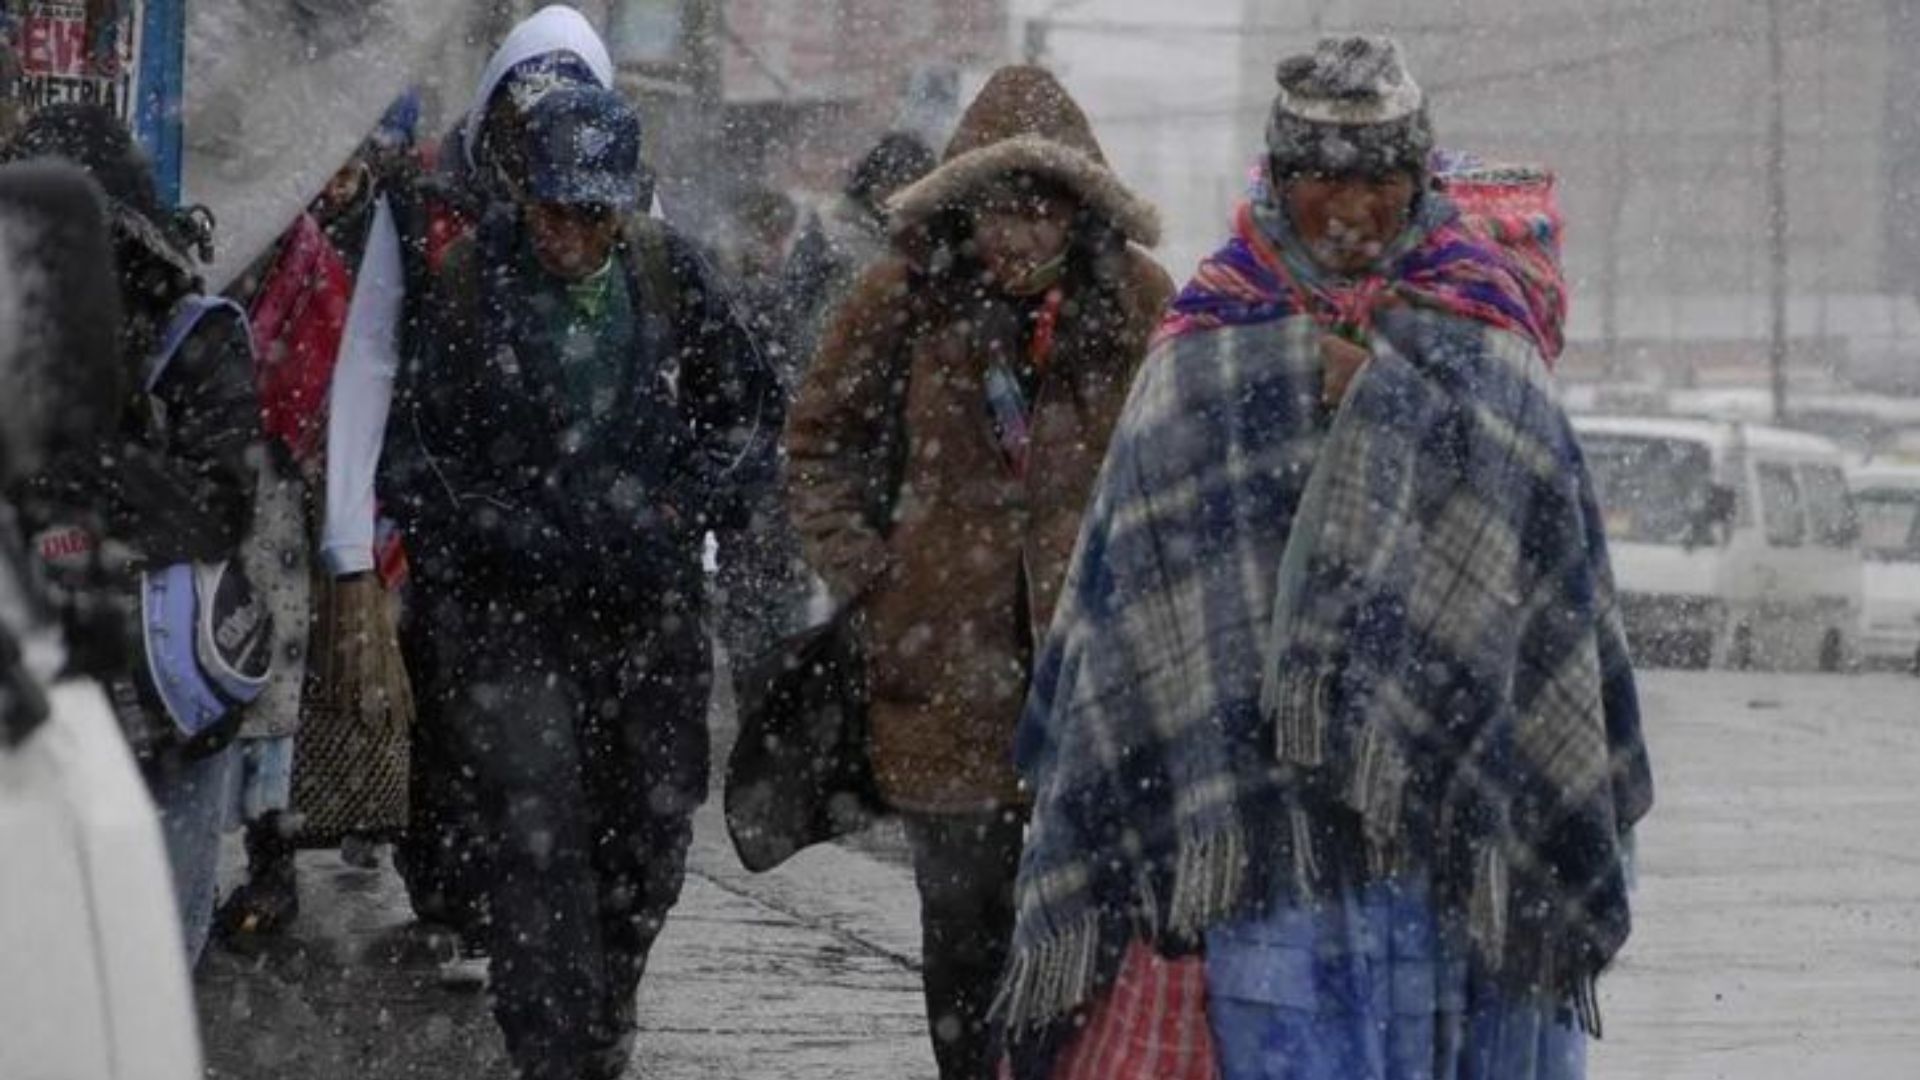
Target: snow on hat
583 149
1349 106
898 159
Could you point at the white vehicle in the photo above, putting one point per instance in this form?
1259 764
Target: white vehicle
1888 500
1734 545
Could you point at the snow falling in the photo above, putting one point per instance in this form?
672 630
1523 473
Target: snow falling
1278 539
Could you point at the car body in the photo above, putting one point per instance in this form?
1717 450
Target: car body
1733 544
1888 500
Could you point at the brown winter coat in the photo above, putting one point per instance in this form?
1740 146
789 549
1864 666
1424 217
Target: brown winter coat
950 619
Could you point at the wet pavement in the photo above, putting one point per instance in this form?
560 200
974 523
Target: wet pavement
1778 930
808 972
1777 924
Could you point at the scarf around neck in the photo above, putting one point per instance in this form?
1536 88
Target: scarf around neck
1495 268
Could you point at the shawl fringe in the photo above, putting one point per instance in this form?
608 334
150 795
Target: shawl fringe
1047 982
1207 883
1297 704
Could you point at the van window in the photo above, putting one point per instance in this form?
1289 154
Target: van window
1829 507
1780 504
1652 491
1889 524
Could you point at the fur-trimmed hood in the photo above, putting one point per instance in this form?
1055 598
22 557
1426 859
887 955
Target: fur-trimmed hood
1025 121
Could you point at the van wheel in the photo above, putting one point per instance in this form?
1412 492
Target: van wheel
1833 652
1740 651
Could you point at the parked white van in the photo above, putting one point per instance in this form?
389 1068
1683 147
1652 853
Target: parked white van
1888 500
1734 545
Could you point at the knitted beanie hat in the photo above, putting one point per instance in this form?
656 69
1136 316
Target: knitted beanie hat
1349 107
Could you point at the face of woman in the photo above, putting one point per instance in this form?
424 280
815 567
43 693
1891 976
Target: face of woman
1347 222
1016 235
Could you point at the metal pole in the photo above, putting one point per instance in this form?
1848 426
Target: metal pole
161 86
1614 364
1777 206
1034 47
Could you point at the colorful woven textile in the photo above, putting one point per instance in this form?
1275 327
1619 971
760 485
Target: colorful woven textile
1151 1025
1485 247
298 319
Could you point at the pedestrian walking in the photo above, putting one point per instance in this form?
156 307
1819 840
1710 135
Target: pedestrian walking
837 244
941 451
583 408
475 166
1334 738
760 575
322 303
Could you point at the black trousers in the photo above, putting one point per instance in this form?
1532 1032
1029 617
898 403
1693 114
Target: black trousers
964 865
588 752
440 858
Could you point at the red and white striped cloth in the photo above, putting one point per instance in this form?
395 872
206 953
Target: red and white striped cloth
1150 1025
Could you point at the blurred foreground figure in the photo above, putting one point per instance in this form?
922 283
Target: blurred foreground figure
942 449
152 520
1337 695
92 975
582 408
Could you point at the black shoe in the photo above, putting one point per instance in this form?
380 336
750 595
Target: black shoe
263 907
360 852
609 1062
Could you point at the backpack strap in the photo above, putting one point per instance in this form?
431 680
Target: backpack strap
659 313
186 317
647 239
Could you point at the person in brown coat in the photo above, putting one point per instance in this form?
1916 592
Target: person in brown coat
941 452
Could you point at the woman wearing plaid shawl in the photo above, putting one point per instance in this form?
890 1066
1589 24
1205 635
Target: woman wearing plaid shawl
1334 729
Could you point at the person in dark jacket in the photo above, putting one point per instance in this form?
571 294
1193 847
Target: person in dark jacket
173 484
761 575
851 235
477 164
585 407
768 591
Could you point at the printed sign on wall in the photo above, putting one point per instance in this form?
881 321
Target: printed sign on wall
70 51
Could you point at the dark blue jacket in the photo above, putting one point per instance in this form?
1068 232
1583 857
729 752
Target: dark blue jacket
502 504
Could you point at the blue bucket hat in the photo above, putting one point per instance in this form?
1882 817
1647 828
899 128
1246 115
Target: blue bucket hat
583 149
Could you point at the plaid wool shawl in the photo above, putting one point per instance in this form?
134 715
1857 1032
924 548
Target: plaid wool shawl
1297 653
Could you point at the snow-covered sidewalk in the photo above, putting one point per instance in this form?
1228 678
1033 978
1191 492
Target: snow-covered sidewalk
1778 919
